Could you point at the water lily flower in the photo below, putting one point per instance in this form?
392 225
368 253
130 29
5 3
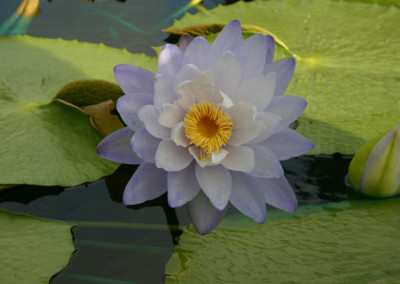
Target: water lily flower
375 169
210 127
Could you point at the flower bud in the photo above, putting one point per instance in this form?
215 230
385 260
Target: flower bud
375 169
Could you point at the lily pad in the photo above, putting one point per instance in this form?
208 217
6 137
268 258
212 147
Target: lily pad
348 64
346 242
32 249
45 142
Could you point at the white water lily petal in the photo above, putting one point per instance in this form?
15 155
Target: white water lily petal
258 90
164 91
289 108
228 39
284 69
243 115
223 100
216 184
242 136
145 145
278 193
170 60
227 73
134 79
171 157
115 147
266 164
288 143
178 135
247 198
272 123
218 156
199 90
195 152
147 183
128 107
240 158
182 186
216 160
203 214
171 115
149 115
251 55
188 72
198 53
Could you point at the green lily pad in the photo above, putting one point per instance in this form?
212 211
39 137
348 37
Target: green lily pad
346 242
32 249
45 142
348 64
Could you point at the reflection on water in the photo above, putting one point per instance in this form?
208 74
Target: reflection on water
316 180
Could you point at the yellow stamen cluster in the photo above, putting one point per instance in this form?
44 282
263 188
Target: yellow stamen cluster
207 126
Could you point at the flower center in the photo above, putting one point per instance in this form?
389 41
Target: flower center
207 126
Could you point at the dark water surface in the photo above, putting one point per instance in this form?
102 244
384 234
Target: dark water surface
118 244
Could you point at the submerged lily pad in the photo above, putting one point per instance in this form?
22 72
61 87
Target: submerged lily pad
348 64
32 249
45 142
346 242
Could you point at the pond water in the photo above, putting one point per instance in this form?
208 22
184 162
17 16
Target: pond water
115 243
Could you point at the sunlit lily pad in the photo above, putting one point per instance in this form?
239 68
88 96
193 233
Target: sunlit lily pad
46 142
346 242
348 64
32 250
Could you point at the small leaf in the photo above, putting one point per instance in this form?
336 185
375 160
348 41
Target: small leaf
32 249
86 92
101 118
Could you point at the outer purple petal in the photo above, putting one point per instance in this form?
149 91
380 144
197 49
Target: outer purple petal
228 39
170 60
288 143
147 183
116 147
279 193
184 42
266 164
247 198
270 49
182 186
134 79
216 183
164 91
284 69
289 108
203 214
258 90
145 145
227 73
128 107
198 53
251 55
